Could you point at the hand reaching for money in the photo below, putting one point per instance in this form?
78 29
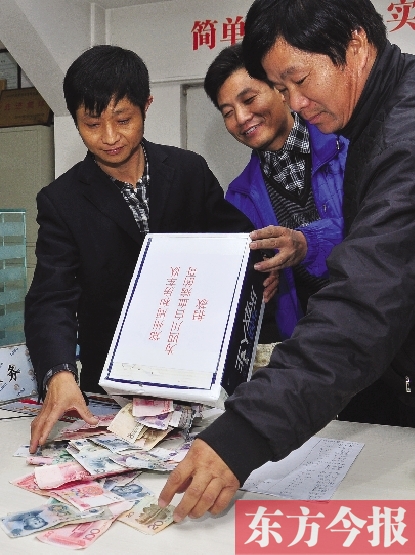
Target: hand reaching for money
63 395
208 483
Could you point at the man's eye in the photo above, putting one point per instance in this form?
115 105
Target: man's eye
301 81
124 121
226 114
249 100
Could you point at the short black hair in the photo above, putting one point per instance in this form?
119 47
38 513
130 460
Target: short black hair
229 60
317 26
103 73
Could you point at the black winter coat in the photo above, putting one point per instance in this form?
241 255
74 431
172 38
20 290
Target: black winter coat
363 322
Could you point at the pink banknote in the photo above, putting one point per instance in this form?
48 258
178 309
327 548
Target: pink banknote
145 406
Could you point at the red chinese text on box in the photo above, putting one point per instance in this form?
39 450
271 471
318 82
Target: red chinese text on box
324 528
164 303
185 293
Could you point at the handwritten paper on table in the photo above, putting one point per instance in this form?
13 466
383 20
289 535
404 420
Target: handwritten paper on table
313 472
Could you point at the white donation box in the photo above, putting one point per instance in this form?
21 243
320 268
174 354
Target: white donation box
190 322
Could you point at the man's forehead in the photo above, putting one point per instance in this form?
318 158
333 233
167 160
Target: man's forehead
284 60
120 106
242 83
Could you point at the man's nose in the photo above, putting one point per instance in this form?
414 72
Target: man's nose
297 101
242 115
110 134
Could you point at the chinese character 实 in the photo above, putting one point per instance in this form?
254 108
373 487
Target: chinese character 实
12 372
262 528
347 518
400 14
204 32
233 30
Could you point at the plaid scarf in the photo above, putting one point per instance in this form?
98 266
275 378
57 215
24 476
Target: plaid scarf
286 166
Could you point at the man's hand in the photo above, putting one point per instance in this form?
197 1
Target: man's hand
290 244
208 483
271 285
63 395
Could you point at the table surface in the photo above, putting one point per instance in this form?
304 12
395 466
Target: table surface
385 469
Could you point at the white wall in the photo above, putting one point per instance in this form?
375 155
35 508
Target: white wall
45 36
161 34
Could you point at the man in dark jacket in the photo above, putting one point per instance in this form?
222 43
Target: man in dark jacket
334 65
92 223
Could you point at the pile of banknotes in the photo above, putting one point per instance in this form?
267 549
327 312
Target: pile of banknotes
90 474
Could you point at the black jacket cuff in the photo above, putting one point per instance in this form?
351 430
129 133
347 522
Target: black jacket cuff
238 444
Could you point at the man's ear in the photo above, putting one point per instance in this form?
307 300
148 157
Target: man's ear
360 51
149 101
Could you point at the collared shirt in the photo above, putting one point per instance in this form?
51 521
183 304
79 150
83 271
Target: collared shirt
137 198
287 166
287 175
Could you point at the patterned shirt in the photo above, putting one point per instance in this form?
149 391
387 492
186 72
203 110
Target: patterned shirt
287 174
137 198
286 166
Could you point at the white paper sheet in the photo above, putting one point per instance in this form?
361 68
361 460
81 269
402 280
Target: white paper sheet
313 472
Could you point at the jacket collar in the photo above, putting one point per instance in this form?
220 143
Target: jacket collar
161 179
323 149
381 81
101 191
